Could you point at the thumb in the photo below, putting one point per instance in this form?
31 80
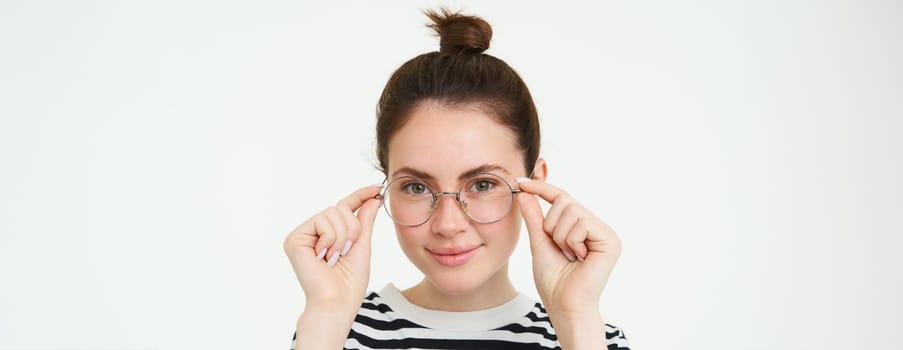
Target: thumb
533 218
366 215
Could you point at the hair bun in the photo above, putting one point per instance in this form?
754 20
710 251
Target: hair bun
459 33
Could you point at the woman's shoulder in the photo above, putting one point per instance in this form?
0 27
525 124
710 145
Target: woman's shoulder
615 338
375 301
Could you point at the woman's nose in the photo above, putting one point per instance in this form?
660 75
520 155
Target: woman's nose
448 218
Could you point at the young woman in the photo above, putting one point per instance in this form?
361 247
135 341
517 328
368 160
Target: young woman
458 140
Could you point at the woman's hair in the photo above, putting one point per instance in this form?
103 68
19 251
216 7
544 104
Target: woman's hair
459 75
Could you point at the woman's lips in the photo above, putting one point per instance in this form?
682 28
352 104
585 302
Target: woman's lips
454 256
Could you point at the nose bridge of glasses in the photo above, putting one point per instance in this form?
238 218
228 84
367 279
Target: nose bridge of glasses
456 197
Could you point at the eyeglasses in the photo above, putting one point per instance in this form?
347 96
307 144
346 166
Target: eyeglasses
485 198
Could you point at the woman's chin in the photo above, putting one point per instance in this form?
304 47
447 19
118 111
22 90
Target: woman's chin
455 284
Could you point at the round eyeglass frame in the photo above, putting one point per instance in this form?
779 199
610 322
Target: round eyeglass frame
435 203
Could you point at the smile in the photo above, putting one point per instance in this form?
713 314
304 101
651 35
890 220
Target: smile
454 256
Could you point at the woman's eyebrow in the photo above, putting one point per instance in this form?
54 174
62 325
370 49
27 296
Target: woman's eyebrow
485 168
413 172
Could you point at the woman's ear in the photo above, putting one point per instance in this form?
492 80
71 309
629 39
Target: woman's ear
540 170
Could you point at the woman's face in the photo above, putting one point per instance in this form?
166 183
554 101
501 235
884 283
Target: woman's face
439 145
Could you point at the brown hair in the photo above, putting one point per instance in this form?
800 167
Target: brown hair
459 75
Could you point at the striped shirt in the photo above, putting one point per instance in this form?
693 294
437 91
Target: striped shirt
387 320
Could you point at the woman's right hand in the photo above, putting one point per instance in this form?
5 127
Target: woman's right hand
330 252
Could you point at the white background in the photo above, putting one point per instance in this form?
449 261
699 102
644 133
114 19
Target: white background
155 154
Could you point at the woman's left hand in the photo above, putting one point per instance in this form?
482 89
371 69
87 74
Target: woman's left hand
574 252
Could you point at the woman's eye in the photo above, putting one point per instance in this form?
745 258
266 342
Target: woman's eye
415 188
482 186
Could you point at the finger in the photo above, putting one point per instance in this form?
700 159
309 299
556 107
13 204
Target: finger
354 201
533 218
576 239
366 215
325 235
564 203
609 244
562 231
545 191
347 206
341 232
304 233
299 241
352 227
351 223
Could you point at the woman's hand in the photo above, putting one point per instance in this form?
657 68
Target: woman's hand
574 252
330 253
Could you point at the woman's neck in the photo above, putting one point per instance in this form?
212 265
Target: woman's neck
496 291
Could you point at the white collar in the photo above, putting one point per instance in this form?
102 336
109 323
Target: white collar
511 311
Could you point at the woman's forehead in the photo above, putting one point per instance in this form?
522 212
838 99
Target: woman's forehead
452 141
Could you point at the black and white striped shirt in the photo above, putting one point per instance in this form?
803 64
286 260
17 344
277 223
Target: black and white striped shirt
387 320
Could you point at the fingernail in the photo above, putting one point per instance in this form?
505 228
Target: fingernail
523 179
322 254
568 255
333 259
347 247
377 185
